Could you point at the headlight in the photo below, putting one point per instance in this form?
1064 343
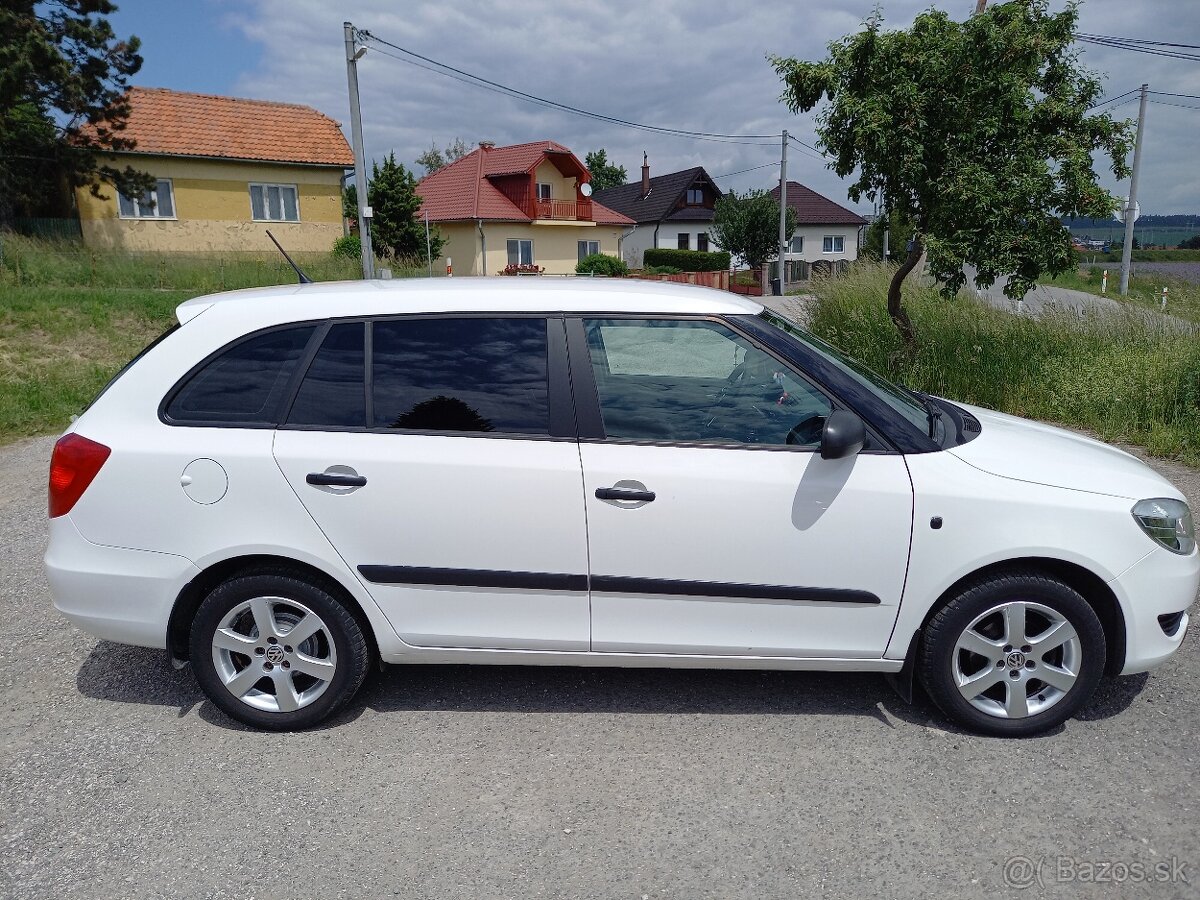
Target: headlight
1169 522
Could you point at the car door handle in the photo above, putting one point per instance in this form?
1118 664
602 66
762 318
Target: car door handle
615 493
334 479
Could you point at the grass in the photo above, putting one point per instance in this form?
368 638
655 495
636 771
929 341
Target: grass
1114 255
1145 289
71 317
1112 375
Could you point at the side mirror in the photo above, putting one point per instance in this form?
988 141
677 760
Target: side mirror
843 435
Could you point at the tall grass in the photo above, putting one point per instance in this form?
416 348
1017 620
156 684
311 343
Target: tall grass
1121 375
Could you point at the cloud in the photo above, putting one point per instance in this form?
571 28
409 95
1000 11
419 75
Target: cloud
678 63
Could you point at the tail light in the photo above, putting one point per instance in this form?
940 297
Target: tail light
74 463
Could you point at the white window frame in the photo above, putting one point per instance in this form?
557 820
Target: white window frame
152 213
519 241
548 194
587 246
264 186
833 243
796 245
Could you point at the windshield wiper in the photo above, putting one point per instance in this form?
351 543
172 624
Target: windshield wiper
933 412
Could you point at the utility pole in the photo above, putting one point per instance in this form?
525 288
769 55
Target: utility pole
1131 201
360 160
783 217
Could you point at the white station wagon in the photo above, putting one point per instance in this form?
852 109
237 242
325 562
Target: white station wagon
298 482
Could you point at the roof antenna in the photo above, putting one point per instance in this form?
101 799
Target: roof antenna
304 279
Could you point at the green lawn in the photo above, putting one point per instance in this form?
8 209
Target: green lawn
1145 290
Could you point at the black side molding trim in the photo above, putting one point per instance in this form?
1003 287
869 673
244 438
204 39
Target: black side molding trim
624 585
493 578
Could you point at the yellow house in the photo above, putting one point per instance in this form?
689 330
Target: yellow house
226 170
526 205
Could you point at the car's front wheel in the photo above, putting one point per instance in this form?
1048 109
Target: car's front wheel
276 651
1013 655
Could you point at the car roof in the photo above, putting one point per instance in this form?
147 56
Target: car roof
543 294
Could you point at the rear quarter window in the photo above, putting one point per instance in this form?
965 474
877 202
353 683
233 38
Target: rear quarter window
243 384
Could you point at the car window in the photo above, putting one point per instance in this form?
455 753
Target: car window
684 381
332 392
461 374
245 383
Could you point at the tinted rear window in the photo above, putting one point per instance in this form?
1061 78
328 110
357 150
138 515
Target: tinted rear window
332 393
244 384
478 374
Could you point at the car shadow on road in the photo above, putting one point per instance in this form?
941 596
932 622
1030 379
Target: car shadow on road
122 674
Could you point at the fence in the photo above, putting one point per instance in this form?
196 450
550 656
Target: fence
49 229
719 280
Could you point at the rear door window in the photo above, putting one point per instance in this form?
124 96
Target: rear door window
332 393
245 384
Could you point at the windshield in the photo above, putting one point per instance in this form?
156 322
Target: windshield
902 400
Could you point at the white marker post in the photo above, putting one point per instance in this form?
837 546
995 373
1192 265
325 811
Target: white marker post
449 266
1164 303
1104 283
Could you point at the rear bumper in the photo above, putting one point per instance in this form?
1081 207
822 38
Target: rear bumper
1159 584
114 593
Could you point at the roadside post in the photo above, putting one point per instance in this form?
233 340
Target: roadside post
449 266
1104 283
1164 303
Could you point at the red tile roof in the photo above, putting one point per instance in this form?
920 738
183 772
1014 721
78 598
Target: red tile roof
464 189
813 209
176 123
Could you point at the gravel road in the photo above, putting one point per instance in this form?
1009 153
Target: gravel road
117 779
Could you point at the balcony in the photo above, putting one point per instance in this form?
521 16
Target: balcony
571 210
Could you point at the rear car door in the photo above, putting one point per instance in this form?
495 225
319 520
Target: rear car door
438 455
715 527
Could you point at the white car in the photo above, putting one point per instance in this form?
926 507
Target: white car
298 482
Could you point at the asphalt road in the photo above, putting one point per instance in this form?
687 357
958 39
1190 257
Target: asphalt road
118 779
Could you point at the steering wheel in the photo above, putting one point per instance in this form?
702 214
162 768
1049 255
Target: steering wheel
808 432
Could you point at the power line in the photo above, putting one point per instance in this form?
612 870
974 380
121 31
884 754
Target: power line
1169 94
744 171
1129 40
479 81
1111 99
1138 47
1176 105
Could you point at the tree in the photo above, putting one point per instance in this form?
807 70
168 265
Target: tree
434 159
350 203
899 231
63 83
604 174
396 232
1192 243
976 131
748 226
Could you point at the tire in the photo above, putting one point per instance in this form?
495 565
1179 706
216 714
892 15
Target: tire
1012 655
243 627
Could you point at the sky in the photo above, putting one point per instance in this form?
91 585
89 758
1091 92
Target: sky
684 64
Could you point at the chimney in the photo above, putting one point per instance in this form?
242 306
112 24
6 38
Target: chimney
486 145
645 174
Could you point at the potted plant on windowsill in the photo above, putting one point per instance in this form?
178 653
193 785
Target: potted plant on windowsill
522 269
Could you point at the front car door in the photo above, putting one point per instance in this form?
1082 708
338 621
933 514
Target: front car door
714 526
438 455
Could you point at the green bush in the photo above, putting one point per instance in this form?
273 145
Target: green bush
348 246
688 260
661 270
601 264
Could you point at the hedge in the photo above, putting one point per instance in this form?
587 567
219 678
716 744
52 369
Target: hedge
601 264
688 260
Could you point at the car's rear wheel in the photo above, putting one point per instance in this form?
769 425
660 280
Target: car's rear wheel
1013 655
275 651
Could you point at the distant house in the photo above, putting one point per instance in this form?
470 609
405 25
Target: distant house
674 210
226 170
826 235
518 205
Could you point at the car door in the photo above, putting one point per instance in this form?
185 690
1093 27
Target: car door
437 453
714 525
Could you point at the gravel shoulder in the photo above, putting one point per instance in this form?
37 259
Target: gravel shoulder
118 779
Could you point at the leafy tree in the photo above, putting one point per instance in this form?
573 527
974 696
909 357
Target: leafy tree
605 175
396 231
899 229
1192 243
63 81
350 202
434 159
976 131
748 226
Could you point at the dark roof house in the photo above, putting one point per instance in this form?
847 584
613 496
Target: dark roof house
686 196
813 209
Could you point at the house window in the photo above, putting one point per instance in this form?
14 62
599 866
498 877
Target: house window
520 253
157 203
833 243
545 191
695 197
587 248
274 203
683 240
797 245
